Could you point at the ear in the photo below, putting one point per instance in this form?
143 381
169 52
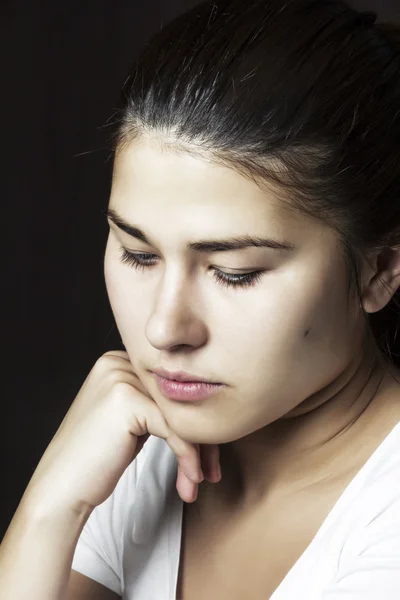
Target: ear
381 279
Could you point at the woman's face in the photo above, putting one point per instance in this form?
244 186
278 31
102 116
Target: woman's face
275 344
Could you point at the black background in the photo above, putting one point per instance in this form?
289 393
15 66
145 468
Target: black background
63 64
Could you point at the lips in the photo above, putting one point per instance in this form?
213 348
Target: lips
186 390
182 376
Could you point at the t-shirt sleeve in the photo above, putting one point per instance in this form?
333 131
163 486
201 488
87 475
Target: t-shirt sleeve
374 571
99 550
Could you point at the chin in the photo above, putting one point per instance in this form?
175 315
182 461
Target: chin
214 436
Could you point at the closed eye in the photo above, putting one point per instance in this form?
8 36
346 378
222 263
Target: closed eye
143 261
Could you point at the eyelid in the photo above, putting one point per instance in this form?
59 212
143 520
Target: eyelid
235 281
241 270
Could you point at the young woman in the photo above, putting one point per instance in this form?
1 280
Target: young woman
254 247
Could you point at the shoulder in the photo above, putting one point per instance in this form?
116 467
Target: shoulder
374 513
137 503
124 530
368 530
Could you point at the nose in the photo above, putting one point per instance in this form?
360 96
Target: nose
175 319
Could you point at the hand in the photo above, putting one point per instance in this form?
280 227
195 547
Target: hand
102 433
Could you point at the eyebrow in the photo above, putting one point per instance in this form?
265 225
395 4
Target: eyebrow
221 245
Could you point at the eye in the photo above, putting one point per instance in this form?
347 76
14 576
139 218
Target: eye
141 261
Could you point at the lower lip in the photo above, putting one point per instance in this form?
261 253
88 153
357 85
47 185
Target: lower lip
186 390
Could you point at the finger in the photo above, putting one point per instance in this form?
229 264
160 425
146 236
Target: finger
209 457
188 457
186 488
145 417
123 360
117 354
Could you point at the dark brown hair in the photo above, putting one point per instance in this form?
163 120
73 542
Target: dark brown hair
303 95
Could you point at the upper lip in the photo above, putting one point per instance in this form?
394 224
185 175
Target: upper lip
181 376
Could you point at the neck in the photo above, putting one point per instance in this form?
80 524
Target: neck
335 430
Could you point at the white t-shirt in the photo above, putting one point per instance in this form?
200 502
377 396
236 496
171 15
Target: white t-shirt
131 542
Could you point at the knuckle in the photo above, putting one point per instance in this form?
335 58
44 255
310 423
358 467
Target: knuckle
104 363
121 391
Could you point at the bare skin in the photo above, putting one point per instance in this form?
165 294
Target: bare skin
225 533
305 402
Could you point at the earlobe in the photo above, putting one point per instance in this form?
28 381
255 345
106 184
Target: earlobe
385 281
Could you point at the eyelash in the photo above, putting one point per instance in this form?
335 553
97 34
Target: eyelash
243 280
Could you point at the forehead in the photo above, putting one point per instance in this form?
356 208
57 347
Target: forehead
145 172
195 193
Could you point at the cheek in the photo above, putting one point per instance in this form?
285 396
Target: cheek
325 338
298 335
331 318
